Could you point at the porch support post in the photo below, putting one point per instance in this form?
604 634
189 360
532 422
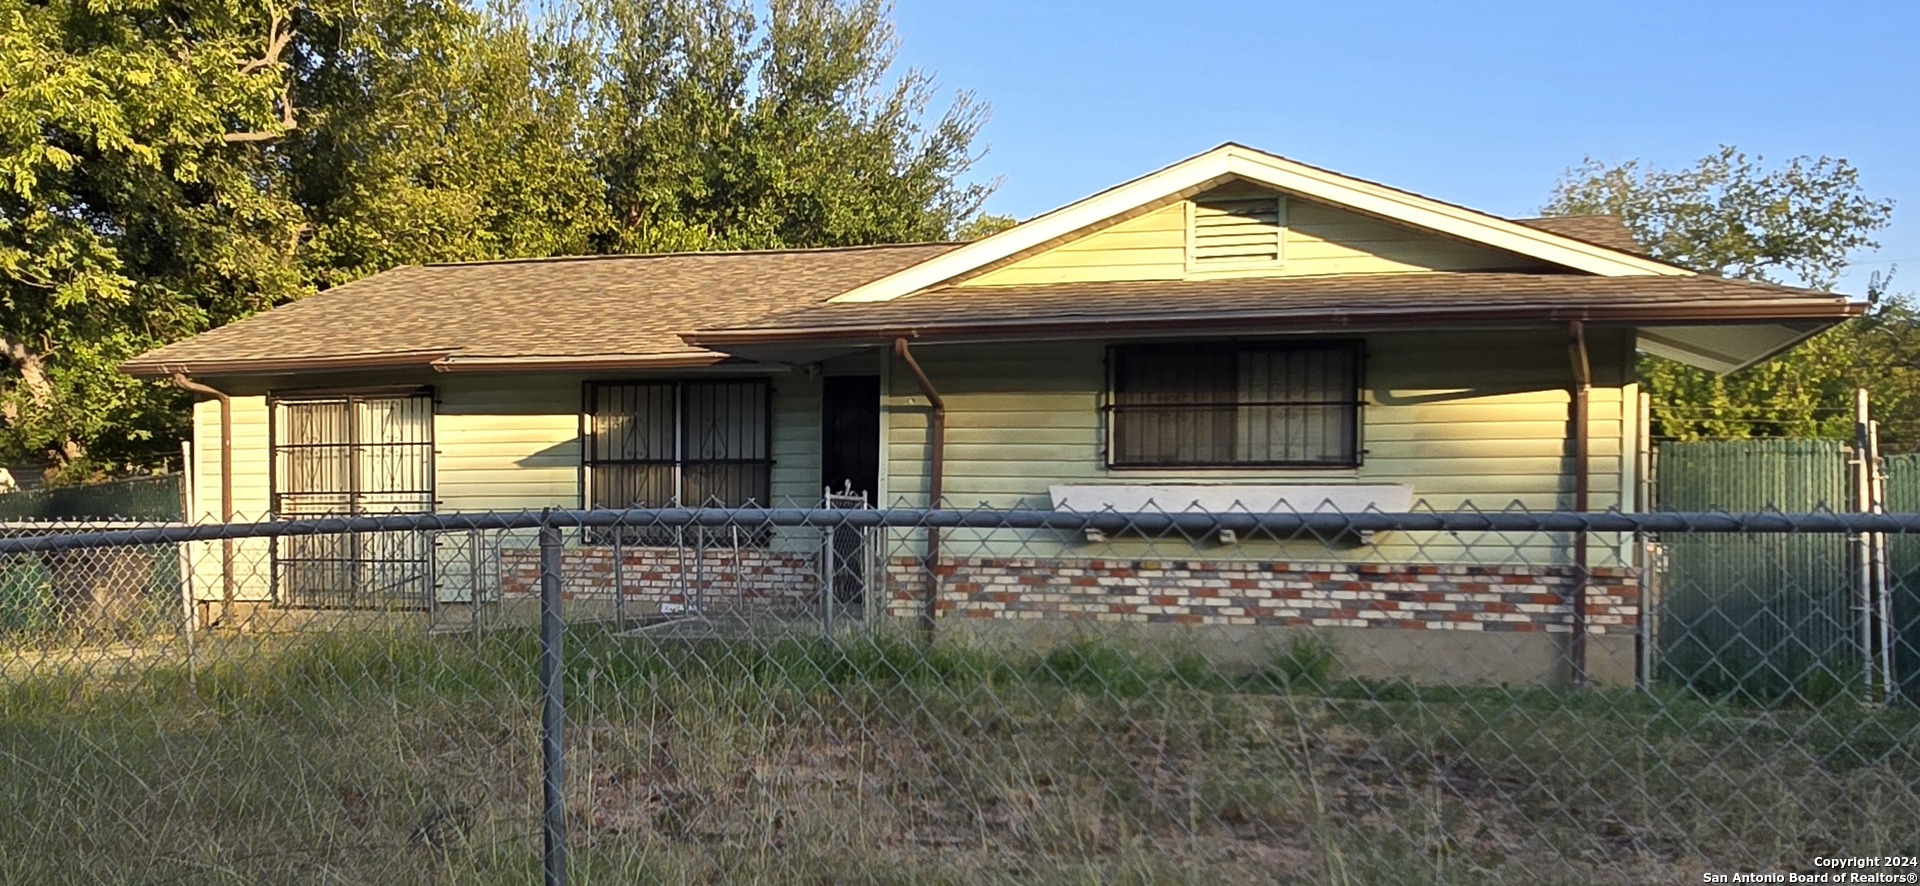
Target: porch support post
936 472
1579 438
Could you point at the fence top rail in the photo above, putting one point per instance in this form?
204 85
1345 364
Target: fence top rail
85 524
1152 523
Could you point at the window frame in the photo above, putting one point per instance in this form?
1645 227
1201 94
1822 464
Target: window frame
679 461
283 551
1356 455
430 453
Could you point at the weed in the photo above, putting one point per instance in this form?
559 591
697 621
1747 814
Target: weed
1303 661
1096 667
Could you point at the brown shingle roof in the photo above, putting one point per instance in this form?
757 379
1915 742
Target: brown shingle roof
643 310
1356 299
1600 230
622 308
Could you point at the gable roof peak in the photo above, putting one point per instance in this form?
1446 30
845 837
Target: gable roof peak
1235 160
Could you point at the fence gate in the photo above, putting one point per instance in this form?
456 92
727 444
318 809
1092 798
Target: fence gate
850 560
353 454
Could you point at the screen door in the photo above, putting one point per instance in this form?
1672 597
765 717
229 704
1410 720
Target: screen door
353 455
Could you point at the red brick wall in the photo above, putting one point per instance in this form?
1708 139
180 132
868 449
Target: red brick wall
656 574
1421 597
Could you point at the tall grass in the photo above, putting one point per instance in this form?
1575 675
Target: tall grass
403 758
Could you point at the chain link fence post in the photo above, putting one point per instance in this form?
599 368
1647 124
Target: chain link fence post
552 709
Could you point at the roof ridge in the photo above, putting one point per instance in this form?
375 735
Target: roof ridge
554 259
1528 218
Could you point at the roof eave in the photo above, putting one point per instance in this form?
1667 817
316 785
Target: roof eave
142 367
439 361
1835 311
1784 347
580 362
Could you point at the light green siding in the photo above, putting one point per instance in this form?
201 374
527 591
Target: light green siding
501 443
507 443
250 480
1318 239
252 556
796 439
1468 418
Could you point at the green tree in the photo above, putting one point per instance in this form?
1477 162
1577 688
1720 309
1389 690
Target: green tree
134 207
985 225
1795 223
171 167
716 128
165 168
449 135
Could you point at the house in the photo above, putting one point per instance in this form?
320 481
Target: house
1234 328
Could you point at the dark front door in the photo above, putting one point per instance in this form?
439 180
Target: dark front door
850 435
850 474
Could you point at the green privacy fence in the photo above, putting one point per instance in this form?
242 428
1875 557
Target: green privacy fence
138 498
1903 556
1760 616
30 586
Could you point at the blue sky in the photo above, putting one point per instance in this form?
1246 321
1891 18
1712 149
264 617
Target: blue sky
1478 103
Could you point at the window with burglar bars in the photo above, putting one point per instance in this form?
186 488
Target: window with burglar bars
1219 405
704 443
345 455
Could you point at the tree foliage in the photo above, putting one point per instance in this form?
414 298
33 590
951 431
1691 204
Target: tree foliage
985 225
165 168
130 209
1731 215
1796 223
717 129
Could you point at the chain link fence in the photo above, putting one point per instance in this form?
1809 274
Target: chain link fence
953 696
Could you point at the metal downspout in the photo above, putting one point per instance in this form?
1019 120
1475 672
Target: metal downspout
1644 548
936 473
181 381
1578 434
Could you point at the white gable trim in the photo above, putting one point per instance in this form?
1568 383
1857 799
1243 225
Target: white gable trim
1279 173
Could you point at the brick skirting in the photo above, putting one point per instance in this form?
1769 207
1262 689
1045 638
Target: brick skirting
1421 597
666 575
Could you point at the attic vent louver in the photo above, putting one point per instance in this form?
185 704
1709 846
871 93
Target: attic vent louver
1230 231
